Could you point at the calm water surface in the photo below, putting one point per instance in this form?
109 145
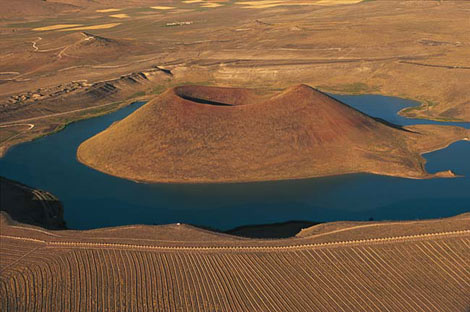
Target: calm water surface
93 199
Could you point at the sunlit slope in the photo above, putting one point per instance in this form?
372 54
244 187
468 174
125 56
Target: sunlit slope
211 134
405 266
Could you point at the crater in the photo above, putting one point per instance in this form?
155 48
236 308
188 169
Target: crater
217 96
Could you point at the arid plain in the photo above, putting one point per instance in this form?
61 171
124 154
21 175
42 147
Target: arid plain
62 62
66 60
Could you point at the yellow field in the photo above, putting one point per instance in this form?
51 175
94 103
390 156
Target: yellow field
119 15
211 5
108 10
162 8
193 1
264 4
334 2
102 26
55 27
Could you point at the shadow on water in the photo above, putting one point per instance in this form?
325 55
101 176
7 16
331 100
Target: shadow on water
92 199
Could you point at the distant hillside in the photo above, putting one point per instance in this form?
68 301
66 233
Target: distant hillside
95 48
211 134
23 8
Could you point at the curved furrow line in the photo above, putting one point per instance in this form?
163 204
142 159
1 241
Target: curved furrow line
357 270
443 268
70 282
453 253
249 290
218 277
371 265
392 269
167 298
450 263
171 285
178 289
80 274
131 278
225 296
133 282
105 278
191 284
88 285
305 277
146 279
159 294
290 277
419 277
212 296
22 291
234 297
369 271
325 303
203 285
141 279
4 294
328 289
95 280
185 289
251 277
346 284
126 279
274 282
347 266
117 280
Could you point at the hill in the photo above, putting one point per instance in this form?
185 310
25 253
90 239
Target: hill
32 206
372 266
93 47
213 134
34 8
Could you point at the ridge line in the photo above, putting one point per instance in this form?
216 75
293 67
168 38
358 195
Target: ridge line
261 248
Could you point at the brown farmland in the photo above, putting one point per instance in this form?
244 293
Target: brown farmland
213 134
343 266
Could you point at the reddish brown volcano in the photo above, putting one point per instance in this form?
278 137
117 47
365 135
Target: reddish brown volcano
213 134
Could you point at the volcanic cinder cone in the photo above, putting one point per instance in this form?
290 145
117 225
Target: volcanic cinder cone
213 134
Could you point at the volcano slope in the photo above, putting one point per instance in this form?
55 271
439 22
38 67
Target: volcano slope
341 266
214 134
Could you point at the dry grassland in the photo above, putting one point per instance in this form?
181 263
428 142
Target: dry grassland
410 49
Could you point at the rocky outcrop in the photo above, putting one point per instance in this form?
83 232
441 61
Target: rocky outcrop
31 206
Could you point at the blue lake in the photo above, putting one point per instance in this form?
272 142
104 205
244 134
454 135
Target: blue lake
92 199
